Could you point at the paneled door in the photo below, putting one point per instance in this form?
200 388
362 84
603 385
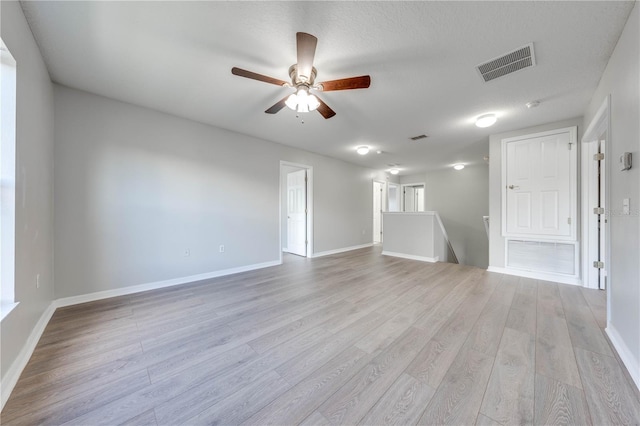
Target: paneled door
297 212
540 194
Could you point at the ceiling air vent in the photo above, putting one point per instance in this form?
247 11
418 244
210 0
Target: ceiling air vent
506 64
417 138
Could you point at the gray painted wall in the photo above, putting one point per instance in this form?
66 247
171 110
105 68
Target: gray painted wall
621 80
461 197
34 198
136 187
496 243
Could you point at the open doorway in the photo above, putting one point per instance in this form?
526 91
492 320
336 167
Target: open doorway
378 208
296 210
393 192
413 197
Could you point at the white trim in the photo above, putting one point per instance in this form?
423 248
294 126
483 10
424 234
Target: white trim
600 124
341 250
411 256
402 189
6 308
309 170
558 278
84 298
573 179
626 355
13 373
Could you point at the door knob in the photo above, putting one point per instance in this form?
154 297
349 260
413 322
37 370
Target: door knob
514 187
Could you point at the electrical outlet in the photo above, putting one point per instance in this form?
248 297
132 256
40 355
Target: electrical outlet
186 252
222 249
37 280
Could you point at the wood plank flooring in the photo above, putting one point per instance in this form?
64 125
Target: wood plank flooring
355 338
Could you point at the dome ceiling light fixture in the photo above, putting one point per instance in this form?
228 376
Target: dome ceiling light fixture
362 150
394 171
486 120
458 166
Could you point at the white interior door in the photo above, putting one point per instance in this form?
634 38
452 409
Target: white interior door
378 188
538 186
394 197
419 199
409 199
296 212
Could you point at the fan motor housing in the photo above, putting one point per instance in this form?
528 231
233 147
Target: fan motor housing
295 78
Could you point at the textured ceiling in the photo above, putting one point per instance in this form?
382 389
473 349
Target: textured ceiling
177 57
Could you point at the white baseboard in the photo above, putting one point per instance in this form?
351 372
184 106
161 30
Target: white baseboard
340 250
631 362
74 300
558 278
412 256
13 373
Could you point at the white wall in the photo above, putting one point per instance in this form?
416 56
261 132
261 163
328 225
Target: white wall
136 187
621 81
34 199
496 241
461 197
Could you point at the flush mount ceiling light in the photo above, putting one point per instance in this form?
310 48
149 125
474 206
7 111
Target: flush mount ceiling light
362 150
458 166
486 120
394 171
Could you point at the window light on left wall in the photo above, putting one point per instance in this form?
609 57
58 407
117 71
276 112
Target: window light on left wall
7 179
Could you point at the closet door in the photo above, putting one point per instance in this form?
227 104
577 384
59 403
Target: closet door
539 193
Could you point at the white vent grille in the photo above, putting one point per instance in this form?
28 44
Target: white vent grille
509 63
541 256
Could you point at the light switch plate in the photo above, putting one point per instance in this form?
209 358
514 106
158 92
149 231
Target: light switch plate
625 206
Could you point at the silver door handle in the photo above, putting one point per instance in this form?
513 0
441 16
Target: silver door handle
514 187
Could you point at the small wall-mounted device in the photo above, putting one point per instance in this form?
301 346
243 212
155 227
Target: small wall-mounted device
625 161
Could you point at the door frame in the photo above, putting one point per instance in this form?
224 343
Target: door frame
600 124
309 218
383 206
402 188
573 185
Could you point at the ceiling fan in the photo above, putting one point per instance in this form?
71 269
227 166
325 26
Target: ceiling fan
303 75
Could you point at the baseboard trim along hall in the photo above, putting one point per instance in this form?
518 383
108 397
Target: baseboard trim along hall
14 372
74 300
563 279
412 257
629 361
340 250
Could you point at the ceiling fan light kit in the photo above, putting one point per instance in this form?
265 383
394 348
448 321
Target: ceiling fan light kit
303 75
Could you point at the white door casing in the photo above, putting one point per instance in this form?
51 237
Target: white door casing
378 207
596 243
394 197
602 218
539 192
296 212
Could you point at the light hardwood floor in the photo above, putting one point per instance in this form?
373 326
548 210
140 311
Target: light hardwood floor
355 338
